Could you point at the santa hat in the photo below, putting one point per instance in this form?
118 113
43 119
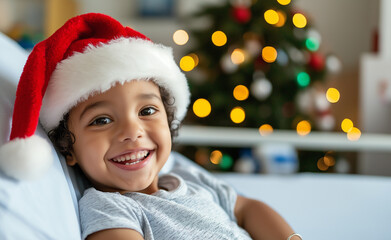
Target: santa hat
89 54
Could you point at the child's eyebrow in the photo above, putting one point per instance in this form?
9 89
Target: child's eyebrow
148 96
91 106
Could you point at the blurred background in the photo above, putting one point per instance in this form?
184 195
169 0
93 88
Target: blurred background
278 86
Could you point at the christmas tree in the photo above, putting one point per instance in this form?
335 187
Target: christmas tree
253 65
256 64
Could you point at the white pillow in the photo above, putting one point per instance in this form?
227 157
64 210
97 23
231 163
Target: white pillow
42 209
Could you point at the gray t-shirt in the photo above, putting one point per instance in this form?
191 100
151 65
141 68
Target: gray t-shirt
194 206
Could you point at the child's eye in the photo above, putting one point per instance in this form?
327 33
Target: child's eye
101 121
147 111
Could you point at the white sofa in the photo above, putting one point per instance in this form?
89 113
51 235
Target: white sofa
319 206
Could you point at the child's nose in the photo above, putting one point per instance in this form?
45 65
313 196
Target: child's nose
130 130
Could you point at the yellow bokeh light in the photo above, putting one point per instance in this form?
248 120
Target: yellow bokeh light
202 108
269 54
195 58
284 2
240 92
346 125
281 19
237 56
265 129
303 128
219 38
271 16
237 115
332 95
354 134
216 156
187 63
299 20
180 37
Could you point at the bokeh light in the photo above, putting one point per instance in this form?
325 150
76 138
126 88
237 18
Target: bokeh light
281 19
237 115
269 54
321 165
226 162
202 108
241 92
238 56
346 125
354 134
312 44
329 160
284 2
195 58
219 38
299 20
271 16
215 157
303 128
332 95
265 129
187 63
180 37
303 79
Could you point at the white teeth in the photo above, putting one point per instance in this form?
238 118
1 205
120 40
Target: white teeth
131 156
133 162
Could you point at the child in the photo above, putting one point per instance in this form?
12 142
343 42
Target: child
111 102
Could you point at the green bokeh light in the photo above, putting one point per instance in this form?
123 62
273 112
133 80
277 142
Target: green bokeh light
303 79
312 44
226 162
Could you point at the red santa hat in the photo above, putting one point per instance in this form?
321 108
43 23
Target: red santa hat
89 54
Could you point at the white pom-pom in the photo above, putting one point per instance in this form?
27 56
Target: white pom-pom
26 159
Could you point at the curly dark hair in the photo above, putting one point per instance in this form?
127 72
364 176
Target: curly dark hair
63 139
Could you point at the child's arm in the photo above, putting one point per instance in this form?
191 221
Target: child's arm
260 221
116 234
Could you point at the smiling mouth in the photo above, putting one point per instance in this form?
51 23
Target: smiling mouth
131 158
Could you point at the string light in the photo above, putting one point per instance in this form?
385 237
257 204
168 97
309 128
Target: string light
354 134
303 128
265 129
346 125
312 44
284 2
269 54
332 95
271 16
215 157
240 92
219 38
237 115
329 160
299 20
187 63
303 79
180 37
195 58
281 19
238 56
202 108
321 165
226 162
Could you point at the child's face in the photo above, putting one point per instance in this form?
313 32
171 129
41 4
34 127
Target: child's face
126 122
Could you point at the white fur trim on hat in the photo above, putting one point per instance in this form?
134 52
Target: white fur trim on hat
98 68
26 158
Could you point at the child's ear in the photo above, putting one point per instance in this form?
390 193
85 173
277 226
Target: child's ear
71 160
